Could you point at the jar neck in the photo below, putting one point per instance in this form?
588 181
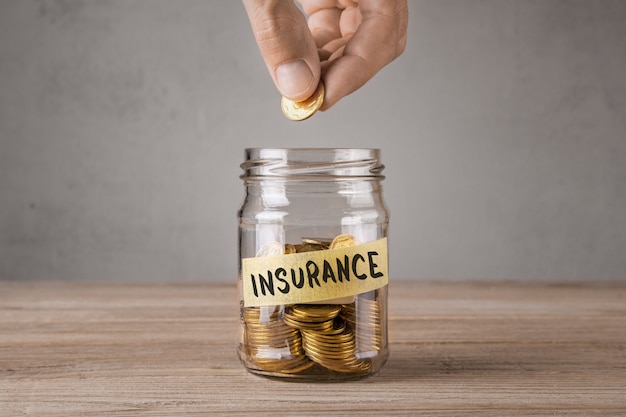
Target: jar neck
313 164
337 185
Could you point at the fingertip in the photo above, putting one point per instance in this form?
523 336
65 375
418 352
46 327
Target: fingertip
296 80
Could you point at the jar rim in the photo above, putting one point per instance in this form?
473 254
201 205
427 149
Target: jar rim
303 163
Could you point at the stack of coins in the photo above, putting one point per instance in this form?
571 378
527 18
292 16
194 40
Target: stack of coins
364 318
314 317
271 344
326 341
291 339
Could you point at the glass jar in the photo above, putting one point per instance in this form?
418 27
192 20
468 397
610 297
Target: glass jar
313 269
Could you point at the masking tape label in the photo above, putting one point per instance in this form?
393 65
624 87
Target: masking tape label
315 276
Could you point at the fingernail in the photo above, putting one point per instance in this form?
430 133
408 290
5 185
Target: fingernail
294 79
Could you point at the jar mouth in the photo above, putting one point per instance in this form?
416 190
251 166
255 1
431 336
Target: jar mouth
303 163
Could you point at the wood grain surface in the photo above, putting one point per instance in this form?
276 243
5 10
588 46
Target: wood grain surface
470 349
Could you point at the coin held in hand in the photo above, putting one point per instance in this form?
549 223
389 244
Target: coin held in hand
301 110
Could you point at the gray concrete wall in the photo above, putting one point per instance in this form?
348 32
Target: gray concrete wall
123 123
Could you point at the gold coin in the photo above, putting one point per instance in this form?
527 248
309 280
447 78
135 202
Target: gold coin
304 365
317 241
301 110
269 339
316 311
324 358
268 312
319 326
330 351
278 365
343 341
271 248
343 241
338 328
329 339
311 247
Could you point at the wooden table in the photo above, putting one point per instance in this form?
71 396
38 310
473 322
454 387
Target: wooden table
471 349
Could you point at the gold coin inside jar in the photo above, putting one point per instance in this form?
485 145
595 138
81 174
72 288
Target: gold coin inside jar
343 241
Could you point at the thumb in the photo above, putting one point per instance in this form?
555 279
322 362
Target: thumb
287 46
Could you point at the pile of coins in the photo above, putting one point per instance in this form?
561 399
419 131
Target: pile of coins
273 344
291 339
366 324
309 244
327 342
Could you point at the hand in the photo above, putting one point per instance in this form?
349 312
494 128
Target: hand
344 42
